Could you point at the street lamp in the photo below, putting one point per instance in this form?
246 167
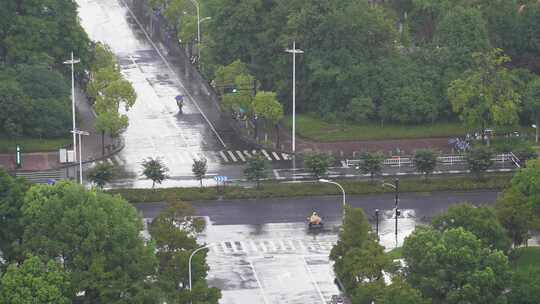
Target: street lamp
395 186
536 135
322 180
294 51
189 264
79 132
72 62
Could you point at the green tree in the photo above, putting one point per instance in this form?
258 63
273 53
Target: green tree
527 182
174 247
101 174
155 170
95 235
14 107
199 169
318 163
359 258
400 292
479 159
267 106
525 286
35 282
371 163
485 95
425 162
12 192
256 169
515 215
361 109
452 267
481 221
531 102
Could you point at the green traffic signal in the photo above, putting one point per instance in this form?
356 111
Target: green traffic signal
18 156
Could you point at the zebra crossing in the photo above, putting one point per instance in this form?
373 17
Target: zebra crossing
239 156
275 246
223 156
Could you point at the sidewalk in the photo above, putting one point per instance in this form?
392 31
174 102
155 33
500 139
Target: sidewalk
92 146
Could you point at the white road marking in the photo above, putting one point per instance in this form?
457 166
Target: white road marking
275 155
225 159
263 246
276 173
247 153
266 154
172 71
253 246
285 156
313 280
241 156
232 156
258 282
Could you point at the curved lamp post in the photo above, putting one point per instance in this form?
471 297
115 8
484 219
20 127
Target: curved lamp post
189 263
322 180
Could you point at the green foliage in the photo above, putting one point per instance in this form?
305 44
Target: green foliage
527 183
101 174
361 109
174 247
453 267
95 235
531 100
257 169
11 200
525 287
199 169
484 95
35 282
266 105
400 292
155 170
479 159
481 221
425 161
318 163
14 106
515 215
371 163
359 259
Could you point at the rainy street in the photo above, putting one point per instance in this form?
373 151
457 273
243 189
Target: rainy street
262 252
156 128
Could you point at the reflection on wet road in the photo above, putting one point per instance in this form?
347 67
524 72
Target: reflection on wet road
282 263
156 128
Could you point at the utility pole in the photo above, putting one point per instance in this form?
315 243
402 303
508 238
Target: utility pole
74 128
294 51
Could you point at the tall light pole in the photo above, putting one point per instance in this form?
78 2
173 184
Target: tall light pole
79 132
294 51
189 263
395 186
73 62
536 129
196 3
322 180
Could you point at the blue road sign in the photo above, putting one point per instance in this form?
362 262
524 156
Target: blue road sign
220 178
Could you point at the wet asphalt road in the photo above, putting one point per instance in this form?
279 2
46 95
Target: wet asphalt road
262 252
156 128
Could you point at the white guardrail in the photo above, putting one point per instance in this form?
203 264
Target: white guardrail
398 161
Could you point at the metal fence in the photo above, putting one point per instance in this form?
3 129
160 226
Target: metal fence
448 160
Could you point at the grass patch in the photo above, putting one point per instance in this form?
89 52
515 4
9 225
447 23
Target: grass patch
276 189
311 127
33 144
526 258
396 253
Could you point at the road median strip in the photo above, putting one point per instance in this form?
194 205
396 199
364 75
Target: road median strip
277 189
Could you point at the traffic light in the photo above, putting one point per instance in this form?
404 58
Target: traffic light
18 156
